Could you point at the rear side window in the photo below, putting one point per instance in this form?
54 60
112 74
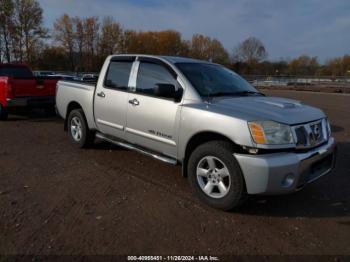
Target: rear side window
16 71
149 75
118 75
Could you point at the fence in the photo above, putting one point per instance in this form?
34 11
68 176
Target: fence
339 84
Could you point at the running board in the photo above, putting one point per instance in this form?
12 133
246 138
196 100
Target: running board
162 158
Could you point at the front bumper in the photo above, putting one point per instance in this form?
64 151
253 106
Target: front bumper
281 173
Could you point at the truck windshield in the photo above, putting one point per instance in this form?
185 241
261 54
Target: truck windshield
16 71
215 80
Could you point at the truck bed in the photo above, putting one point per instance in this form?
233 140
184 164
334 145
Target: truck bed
80 92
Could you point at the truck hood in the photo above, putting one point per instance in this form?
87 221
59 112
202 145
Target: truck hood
277 109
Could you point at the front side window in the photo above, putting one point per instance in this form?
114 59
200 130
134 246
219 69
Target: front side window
149 75
118 74
215 80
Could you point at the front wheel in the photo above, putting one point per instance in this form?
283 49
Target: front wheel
78 130
215 175
3 113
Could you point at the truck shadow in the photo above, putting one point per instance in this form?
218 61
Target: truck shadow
104 146
327 197
32 115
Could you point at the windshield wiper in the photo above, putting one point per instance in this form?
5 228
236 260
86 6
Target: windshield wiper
240 93
223 94
246 92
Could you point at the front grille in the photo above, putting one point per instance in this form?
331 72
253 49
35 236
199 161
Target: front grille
310 134
300 134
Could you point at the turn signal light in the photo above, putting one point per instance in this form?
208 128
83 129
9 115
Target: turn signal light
257 133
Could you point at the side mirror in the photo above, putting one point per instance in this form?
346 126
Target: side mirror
167 91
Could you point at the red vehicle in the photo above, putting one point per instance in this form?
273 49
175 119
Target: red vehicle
19 88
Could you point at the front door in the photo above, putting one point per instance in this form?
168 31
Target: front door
152 121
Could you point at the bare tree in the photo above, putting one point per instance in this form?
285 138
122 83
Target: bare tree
251 51
169 42
129 42
337 66
303 65
199 46
28 30
65 36
111 37
6 21
91 30
203 47
80 39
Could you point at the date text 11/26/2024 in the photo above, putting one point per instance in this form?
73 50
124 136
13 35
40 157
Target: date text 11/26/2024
173 258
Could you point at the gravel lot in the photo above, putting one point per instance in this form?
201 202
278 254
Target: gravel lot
56 199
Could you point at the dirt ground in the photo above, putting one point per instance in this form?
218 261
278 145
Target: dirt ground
57 199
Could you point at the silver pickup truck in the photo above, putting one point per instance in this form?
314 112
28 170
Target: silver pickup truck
230 139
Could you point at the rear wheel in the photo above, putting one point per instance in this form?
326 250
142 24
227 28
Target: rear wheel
215 175
3 113
78 130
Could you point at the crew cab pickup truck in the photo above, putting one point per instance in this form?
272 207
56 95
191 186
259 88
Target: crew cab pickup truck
19 87
230 139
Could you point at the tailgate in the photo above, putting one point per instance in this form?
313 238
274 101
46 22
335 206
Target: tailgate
34 87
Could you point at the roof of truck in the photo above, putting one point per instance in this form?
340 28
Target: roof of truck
180 59
170 59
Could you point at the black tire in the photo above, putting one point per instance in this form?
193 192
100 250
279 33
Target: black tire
87 136
221 151
3 113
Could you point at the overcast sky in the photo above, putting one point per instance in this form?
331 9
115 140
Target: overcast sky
288 28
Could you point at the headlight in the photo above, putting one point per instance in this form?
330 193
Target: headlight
270 133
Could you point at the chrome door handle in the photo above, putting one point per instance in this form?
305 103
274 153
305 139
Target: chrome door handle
101 94
134 102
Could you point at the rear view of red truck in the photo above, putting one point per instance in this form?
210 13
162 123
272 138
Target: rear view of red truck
19 88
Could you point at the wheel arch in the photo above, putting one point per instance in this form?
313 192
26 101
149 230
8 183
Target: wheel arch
71 106
201 138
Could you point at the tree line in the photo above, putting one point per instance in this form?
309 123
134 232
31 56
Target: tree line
82 44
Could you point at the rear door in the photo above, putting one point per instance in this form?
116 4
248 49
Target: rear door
151 120
110 102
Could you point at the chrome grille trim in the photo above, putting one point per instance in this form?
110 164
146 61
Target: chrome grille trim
311 134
